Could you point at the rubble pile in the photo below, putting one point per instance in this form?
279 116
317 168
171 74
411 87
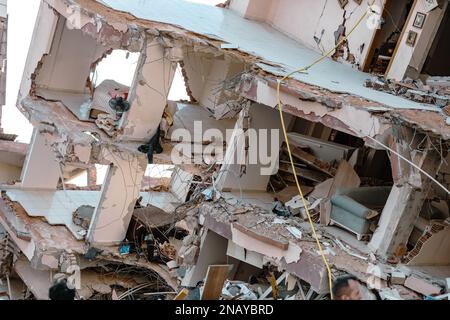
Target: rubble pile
434 90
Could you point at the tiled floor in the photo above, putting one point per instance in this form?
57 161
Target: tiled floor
57 206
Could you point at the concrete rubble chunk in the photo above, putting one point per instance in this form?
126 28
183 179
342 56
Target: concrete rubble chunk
240 185
421 286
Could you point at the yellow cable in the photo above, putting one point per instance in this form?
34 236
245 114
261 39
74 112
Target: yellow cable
280 108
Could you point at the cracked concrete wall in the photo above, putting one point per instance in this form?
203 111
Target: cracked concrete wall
116 34
251 9
317 24
71 37
197 66
403 206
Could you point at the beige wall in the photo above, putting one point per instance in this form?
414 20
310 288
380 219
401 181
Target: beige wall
9 172
69 63
3 12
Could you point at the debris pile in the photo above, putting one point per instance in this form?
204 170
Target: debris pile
434 90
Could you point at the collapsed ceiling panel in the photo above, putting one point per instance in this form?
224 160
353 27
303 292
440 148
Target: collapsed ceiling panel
280 54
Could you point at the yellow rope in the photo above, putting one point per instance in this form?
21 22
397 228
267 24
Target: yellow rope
280 108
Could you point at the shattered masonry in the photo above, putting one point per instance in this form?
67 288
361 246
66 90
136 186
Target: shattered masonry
145 235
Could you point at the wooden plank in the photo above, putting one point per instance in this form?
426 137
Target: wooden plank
182 294
282 244
17 225
215 279
322 190
269 290
308 174
312 161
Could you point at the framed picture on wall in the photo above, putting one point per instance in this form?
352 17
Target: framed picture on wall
343 3
358 1
419 21
411 39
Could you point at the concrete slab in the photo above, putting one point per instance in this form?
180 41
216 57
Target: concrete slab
282 53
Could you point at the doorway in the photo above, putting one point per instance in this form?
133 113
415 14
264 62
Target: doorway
395 14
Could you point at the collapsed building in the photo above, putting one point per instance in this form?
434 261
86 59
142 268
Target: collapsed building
367 128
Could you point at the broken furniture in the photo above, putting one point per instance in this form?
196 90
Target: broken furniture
354 208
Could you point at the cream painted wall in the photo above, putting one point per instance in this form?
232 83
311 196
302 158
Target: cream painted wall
259 9
239 6
9 172
415 56
313 23
3 8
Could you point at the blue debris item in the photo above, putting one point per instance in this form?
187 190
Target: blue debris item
209 193
124 249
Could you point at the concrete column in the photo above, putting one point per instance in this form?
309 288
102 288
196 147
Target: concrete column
264 141
149 93
41 170
405 200
119 194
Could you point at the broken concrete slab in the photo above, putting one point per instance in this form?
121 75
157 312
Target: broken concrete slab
398 277
421 286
